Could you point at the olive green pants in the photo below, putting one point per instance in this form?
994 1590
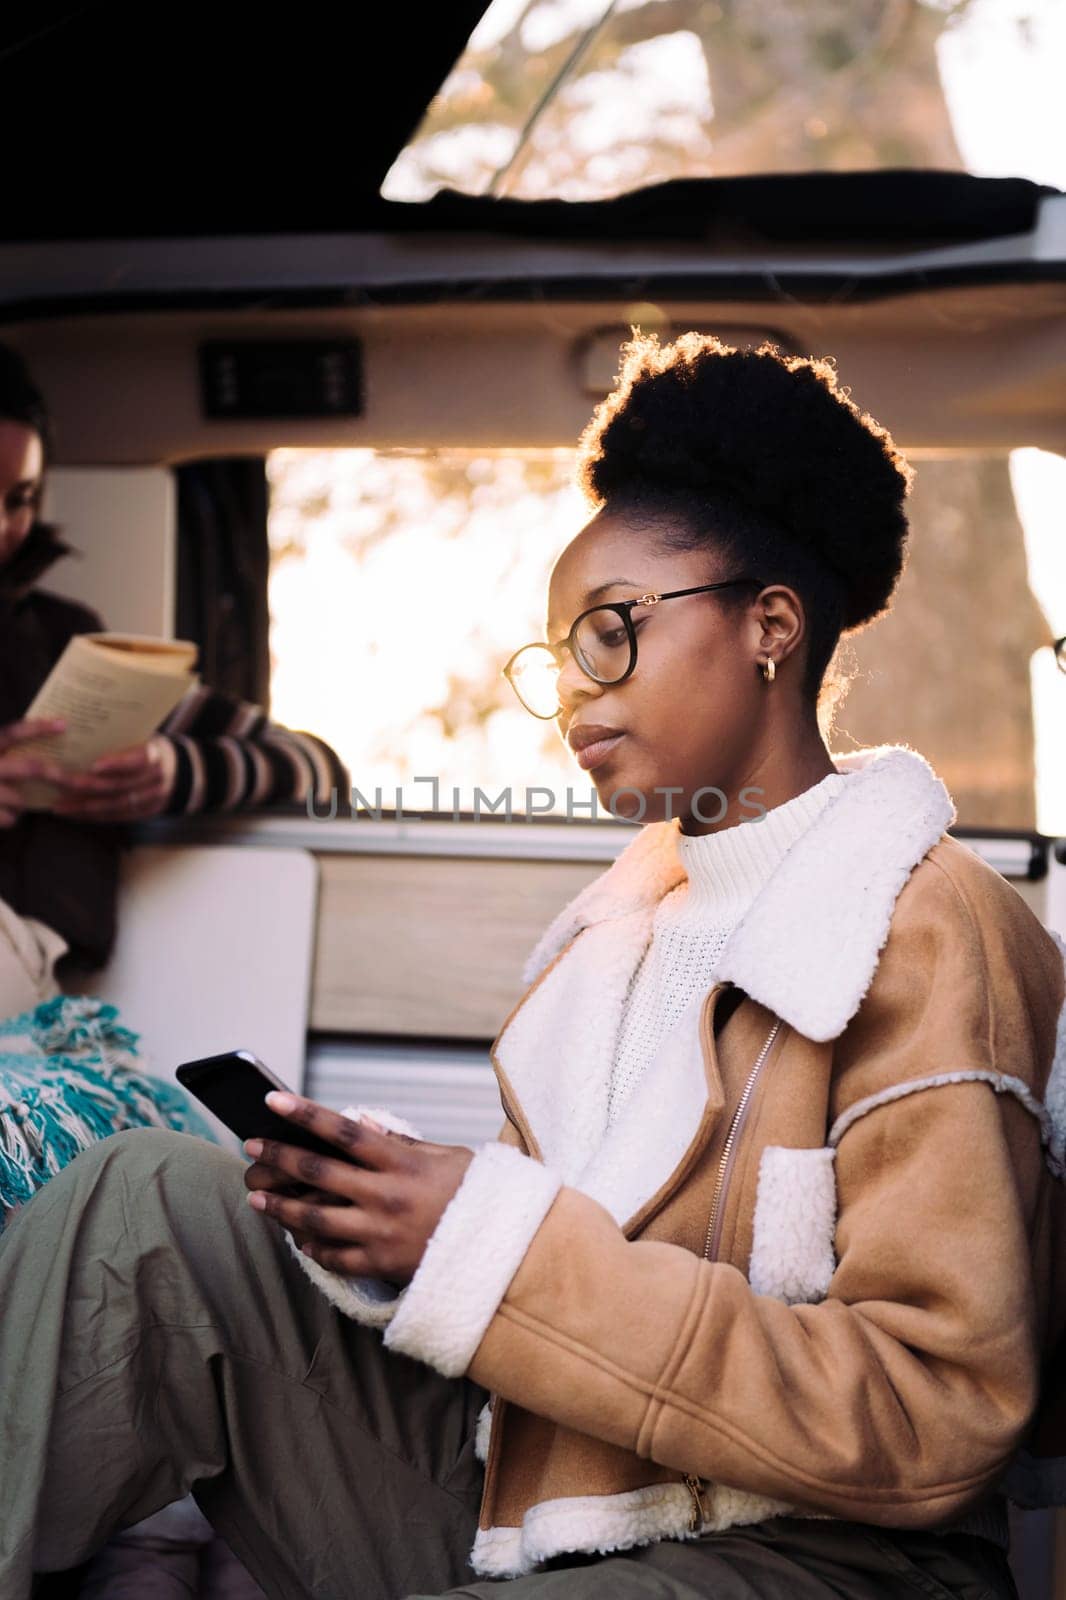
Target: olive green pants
157 1335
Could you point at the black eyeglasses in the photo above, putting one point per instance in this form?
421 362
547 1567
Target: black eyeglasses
1059 648
603 642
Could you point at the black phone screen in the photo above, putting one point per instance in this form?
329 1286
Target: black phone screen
232 1085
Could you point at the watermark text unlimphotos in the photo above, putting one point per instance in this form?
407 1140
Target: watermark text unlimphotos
707 805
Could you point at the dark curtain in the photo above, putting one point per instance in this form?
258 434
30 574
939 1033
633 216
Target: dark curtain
223 564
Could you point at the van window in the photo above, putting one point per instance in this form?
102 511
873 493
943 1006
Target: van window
580 100
401 582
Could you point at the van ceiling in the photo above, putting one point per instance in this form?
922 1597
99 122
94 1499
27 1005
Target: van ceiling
979 367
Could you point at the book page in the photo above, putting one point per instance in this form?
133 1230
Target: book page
152 655
113 693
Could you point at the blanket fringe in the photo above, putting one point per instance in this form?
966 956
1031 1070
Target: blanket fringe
69 1077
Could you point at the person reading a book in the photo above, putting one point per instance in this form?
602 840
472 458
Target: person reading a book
77 1072
58 867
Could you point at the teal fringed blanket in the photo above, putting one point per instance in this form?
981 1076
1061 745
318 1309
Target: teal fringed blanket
69 1076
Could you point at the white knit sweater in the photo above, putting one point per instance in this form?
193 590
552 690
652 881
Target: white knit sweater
724 873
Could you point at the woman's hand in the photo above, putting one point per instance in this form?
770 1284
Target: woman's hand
371 1220
17 767
126 786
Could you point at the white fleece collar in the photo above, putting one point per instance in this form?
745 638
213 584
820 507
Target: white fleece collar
807 949
809 944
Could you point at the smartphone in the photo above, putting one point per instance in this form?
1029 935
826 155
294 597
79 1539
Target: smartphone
233 1084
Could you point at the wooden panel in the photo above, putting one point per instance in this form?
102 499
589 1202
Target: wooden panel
434 945
430 945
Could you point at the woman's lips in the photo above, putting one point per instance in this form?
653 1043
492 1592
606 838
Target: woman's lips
593 754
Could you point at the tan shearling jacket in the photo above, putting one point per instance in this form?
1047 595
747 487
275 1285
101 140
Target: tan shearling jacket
817 1264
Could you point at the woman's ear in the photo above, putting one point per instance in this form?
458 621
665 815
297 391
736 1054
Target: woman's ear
782 621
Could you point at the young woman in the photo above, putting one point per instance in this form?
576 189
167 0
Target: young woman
758 1292
58 868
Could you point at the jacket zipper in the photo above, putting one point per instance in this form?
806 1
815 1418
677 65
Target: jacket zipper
694 1485
699 1516
714 1222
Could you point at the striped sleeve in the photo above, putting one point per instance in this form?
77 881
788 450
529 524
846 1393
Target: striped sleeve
228 756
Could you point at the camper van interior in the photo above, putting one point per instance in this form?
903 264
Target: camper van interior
318 340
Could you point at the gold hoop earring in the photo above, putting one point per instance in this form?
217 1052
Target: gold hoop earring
769 669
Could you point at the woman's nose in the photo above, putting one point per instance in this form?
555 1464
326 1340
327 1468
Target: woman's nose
573 685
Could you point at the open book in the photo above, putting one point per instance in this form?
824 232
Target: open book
113 689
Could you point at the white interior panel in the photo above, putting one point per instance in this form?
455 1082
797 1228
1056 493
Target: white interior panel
1055 915
214 953
121 522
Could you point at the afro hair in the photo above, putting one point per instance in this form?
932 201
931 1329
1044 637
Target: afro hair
699 424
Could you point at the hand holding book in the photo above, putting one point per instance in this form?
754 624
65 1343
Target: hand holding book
17 768
111 691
